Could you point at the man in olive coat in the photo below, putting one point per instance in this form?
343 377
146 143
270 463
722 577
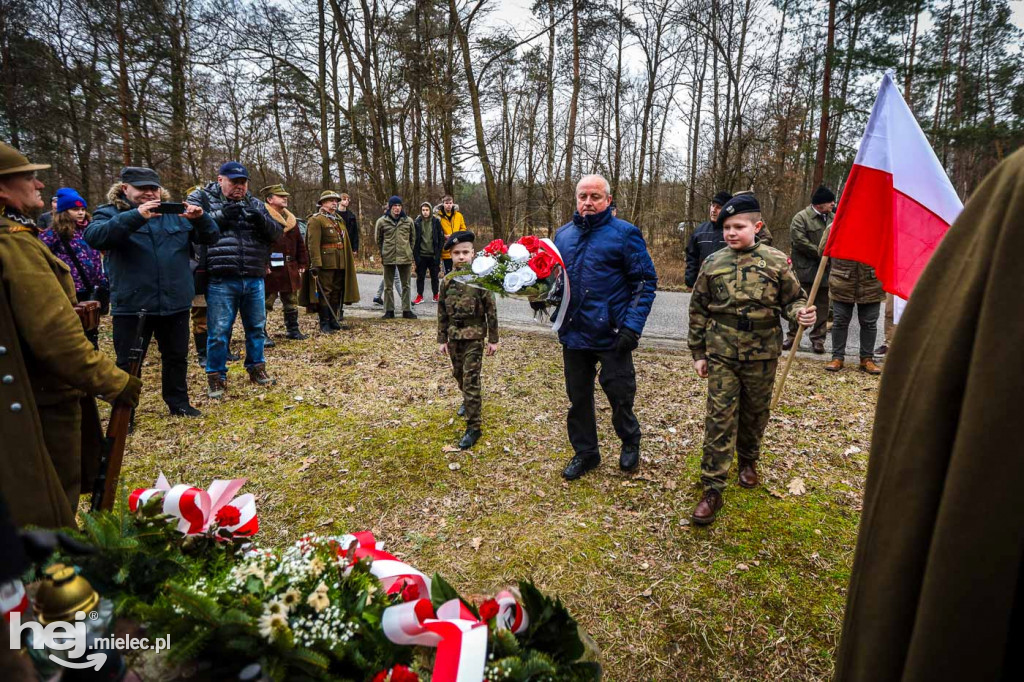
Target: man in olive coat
396 238
49 370
805 234
331 265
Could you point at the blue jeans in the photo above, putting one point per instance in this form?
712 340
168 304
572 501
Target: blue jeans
225 298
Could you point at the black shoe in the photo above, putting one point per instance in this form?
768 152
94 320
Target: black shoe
200 340
462 410
389 315
338 323
185 411
378 300
469 438
233 357
579 465
788 343
410 315
268 342
629 456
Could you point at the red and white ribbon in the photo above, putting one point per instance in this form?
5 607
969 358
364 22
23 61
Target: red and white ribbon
511 614
13 599
460 638
386 567
563 308
196 509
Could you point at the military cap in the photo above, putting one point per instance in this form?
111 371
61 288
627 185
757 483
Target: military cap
721 198
276 190
460 237
742 203
12 161
327 194
822 195
139 177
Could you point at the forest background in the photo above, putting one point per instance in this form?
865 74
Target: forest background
506 104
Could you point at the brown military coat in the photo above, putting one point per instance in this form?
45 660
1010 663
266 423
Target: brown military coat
850 281
293 249
47 368
329 248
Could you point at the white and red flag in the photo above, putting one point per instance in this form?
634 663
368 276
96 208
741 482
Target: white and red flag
898 201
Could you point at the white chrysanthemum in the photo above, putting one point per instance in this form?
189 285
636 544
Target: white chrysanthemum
270 623
484 265
519 253
277 606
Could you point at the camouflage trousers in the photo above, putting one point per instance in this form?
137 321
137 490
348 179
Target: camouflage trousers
739 395
467 361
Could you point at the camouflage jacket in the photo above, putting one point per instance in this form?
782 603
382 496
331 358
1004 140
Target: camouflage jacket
737 300
465 313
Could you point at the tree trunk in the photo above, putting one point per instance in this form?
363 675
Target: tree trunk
325 152
826 85
573 106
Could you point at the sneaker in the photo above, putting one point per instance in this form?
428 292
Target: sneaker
216 385
258 375
419 299
378 300
185 411
410 315
435 298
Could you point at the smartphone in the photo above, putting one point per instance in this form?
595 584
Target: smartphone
170 207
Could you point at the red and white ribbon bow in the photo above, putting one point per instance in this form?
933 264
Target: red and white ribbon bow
196 508
387 568
460 638
511 614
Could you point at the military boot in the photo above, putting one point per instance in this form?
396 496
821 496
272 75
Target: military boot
462 410
200 340
338 324
291 324
325 320
469 438
707 508
258 375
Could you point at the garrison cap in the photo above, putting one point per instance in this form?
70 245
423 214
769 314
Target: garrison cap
743 203
460 237
274 190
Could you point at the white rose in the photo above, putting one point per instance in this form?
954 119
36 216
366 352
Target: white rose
483 265
512 282
526 276
519 253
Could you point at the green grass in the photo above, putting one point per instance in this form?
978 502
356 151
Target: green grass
758 595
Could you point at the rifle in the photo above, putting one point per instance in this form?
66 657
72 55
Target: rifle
104 489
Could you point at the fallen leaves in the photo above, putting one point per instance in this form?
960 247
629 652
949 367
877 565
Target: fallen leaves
797 486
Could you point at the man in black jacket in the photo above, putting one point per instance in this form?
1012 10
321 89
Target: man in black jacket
351 224
236 265
429 243
706 239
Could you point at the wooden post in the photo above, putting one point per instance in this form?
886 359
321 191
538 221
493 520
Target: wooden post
800 332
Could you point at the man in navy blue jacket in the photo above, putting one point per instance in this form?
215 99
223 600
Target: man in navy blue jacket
612 283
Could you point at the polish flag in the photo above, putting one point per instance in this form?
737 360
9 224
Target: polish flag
898 201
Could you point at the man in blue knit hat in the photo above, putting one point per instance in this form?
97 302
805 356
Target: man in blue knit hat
396 237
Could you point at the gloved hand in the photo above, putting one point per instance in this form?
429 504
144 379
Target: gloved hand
131 392
255 219
626 341
233 211
314 271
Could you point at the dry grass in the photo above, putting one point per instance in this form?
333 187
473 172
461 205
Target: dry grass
354 436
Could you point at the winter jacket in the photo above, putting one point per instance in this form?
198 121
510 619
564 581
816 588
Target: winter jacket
706 240
612 280
850 281
243 249
88 258
431 245
148 260
450 222
352 227
804 235
395 239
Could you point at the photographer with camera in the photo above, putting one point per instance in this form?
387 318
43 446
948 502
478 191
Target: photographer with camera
146 239
236 265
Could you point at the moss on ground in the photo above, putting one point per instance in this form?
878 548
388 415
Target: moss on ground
358 433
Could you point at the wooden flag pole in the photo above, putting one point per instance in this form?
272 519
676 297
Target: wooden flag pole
800 331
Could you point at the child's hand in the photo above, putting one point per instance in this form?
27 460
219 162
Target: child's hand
442 348
702 367
807 316
492 348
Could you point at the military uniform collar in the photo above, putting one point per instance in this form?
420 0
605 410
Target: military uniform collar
17 218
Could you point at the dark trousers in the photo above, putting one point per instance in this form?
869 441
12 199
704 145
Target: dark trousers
425 264
618 380
447 262
817 332
171 332
867 315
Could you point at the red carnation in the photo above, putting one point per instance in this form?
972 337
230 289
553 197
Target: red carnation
496 247
531 243
542 264
488 610
228 515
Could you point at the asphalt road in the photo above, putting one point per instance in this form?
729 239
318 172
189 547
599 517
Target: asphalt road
666 326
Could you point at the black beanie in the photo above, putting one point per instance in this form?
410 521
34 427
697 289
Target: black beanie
822 195
721 198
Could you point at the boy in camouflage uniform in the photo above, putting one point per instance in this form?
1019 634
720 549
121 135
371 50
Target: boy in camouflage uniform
736 340
465 315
